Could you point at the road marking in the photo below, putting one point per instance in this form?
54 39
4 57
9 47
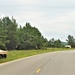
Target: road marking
38 70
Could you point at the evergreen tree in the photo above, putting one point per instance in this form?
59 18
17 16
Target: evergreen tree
10 28
71 40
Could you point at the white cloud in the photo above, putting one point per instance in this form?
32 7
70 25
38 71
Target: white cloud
26 2
58 23
59 27
54 18
58 4
62 21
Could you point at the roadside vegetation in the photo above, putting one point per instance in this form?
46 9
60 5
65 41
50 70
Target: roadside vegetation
18 37
23 41
17 54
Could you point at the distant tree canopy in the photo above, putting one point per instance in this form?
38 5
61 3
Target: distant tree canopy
71 40
12 37
27 37
55 43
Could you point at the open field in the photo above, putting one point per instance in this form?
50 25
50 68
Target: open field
17 54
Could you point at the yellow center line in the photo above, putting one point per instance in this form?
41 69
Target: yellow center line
38 70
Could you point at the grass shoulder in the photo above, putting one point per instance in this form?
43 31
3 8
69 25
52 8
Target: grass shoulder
17 54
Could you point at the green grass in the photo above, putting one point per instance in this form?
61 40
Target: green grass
17 54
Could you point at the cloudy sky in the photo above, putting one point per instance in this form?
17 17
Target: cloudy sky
54 18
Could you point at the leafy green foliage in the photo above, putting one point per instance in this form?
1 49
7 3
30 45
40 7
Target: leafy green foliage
55 43
22 38
71 40
12 37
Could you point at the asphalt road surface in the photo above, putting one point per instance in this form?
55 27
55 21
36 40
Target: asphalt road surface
54 63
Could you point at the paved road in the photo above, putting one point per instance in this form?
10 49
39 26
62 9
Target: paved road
54 63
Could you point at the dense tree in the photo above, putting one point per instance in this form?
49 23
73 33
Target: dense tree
51 42
2 36
30 37
55 43
71 40
27 37
10 30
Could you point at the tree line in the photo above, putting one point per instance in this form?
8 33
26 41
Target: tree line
23 38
